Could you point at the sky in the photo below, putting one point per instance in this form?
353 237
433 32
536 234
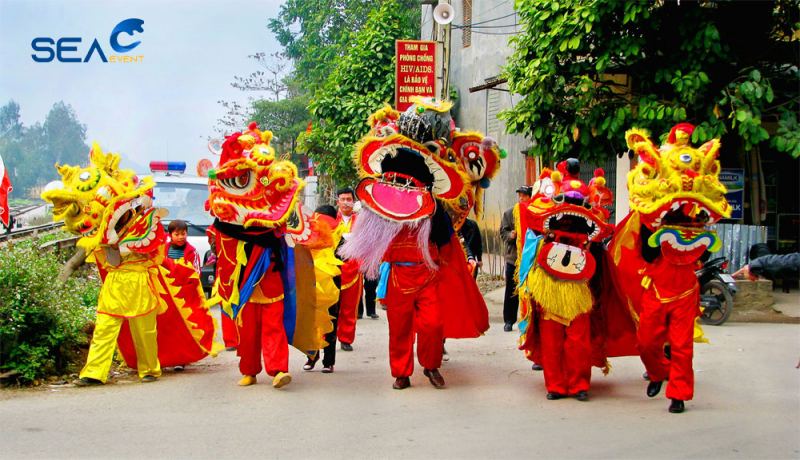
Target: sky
163 108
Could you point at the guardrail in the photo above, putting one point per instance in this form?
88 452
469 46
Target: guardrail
60 244
30 231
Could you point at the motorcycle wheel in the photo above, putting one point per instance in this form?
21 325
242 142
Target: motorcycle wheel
719 290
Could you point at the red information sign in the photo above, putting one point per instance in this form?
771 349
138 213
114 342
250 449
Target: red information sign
415 71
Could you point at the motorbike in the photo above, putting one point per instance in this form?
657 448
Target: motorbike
717 290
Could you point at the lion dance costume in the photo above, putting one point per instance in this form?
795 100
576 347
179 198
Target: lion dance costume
559 225
156 316
252 195
675 194
405 234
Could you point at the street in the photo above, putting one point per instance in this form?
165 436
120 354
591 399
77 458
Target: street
746 406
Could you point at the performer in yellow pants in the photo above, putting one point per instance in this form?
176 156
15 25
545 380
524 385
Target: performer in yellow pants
129 293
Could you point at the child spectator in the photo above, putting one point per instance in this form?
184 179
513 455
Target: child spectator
178 247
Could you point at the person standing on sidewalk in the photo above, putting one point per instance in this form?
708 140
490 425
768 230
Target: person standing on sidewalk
508 234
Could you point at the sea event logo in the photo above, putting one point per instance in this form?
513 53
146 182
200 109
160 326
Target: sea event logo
67 49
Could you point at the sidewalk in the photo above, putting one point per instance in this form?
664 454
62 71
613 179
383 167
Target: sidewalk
786 308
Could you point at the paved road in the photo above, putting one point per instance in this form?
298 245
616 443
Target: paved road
747 406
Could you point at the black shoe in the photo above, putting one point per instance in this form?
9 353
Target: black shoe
347 347
360 317
149 378
668 352
310 363
401 383
178 368
374 316
676 406
646 376
435 377
582 396
87 382
654 388
536 367
554 396
230 348
327 369
508 326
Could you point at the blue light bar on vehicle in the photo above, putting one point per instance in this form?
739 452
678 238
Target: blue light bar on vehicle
168 166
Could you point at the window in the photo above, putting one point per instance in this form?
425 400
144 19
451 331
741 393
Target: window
466 32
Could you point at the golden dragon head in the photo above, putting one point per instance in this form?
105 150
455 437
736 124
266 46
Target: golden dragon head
675 190
250 187
105 204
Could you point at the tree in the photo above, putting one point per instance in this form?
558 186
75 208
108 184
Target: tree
286 118
30 152
590 70
316 34
358 84
270 80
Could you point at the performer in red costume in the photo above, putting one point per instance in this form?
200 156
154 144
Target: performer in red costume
675 194
557 227
252 196
352 279
404 234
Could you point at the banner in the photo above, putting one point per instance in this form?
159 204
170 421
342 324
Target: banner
415 71
733 180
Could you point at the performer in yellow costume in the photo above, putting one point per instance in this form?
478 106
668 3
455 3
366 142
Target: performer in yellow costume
128 293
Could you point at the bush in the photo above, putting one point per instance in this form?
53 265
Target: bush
42 322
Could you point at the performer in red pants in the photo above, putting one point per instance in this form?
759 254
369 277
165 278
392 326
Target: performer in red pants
566 356
412 301
668 313
352 279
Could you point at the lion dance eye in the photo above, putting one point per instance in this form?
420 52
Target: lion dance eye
238 183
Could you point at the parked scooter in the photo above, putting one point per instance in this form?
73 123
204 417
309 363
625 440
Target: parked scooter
717 289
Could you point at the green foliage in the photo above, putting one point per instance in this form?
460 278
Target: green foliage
591 70
30 152
360 81
285 118
315 34
42 323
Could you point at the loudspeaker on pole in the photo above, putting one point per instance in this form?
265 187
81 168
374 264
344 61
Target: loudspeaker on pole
443 14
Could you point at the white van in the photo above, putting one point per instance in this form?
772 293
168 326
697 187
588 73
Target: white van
184 197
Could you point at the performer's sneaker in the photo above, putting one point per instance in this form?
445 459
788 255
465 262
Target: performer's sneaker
247 380
654 388
327 369
149 378
536 367
87 382
553 396
676 406
401 383
310 363
281 380
347 347
582 396
435 377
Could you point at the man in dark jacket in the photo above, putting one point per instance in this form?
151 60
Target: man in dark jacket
509 235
